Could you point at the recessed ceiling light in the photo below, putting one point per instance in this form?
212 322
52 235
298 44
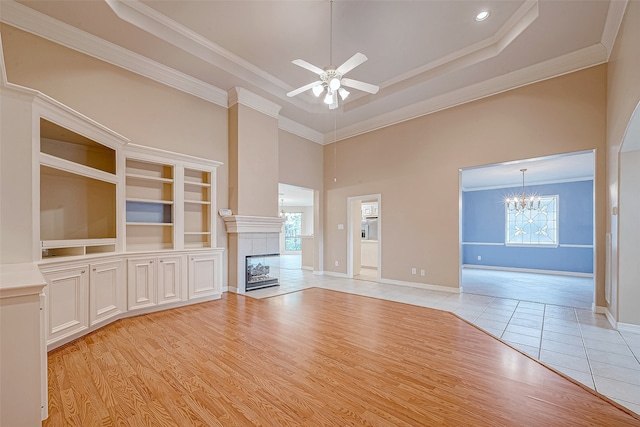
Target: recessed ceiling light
483 15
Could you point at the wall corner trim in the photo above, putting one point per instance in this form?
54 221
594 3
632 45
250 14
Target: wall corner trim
239 95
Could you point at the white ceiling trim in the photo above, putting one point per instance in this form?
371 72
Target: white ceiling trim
238 95
301 130
612 25
159 25
34 22
555 181
568 63
477 52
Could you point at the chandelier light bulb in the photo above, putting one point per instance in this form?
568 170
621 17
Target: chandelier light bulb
334 84
343 93
317 90
328 99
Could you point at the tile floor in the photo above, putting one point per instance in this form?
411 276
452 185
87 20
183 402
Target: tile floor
574 341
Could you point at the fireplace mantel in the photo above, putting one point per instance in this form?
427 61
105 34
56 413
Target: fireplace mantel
253 224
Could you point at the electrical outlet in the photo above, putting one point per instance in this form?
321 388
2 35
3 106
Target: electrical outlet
413 270
479 258
422 272
336 263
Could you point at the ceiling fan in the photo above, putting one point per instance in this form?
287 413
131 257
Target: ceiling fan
332 81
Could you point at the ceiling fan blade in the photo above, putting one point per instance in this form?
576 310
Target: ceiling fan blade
356 84
351 63
304 64
303 88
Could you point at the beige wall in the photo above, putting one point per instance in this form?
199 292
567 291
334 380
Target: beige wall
253 146
415 167
623 95
300 161
146 112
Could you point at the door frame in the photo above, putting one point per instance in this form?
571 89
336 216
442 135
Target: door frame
350 230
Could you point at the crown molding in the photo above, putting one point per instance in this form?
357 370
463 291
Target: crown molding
34 22
239 95
612 25
477 52
301 130
253 224
519 185
574 61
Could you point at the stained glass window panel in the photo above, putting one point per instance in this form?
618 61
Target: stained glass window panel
538 226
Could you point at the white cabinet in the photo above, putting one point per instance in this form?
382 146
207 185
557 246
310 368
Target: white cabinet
154 281
80 296
67 302
205 275
107 291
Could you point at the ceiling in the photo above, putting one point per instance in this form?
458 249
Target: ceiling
290 195
424 55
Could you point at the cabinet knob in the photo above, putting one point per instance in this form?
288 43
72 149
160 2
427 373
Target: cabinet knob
82 272
161 260
151 262
94 269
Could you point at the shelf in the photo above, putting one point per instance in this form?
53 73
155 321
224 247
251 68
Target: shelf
198 202
197 184
76 242
147 224
76 168
197 233
149 170
134 176
76 247
150 201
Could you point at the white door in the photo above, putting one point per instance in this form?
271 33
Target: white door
141 282
107 295
169 279
66 296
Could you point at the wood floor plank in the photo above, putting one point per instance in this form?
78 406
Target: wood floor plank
311 358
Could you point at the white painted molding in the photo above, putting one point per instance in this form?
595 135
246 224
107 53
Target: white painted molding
253 224
238 95
3 69
629 327
608 315
331 273
612 25
131 150
557 181
301 130
527 270
482 244
571 62
17 280
438 288
34 22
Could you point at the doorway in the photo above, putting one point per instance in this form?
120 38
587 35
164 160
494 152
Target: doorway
364 230
296 207
540 250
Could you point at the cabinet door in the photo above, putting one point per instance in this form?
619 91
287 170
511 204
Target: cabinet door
66 296
141 282
107 297
169 279
203 275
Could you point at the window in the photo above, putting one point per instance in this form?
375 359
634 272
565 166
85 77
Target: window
292 231
533 226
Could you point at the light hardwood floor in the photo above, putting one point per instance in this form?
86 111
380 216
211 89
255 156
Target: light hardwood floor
309 358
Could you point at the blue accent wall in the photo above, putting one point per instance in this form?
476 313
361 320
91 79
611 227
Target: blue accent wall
483 229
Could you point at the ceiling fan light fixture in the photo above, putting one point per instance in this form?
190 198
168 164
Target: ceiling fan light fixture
328 99
483 15
343 93
334 83
317 90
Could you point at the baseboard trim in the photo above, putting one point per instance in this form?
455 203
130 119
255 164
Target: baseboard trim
629 327
306 268
528 270
331 273
427 286
605 310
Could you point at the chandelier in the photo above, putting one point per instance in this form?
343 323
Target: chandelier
523 201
